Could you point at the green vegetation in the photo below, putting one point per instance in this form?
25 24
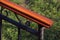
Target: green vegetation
48 8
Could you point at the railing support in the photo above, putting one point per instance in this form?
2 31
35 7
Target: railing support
19 25
19 32
0 26
19 29
1 22
40 32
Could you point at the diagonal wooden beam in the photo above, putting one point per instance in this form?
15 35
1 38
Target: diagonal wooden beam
42 20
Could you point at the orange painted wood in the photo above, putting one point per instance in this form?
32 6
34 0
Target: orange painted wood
42 20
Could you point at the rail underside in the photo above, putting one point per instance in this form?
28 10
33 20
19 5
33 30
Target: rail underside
26 13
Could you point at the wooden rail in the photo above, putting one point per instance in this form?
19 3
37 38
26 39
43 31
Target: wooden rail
26 13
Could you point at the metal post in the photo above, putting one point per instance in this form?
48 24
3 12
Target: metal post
0 26
19 32
40 32
1 23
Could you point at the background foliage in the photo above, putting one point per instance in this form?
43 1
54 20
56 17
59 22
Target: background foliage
48 8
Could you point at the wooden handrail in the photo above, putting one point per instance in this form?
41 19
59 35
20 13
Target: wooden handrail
42 20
